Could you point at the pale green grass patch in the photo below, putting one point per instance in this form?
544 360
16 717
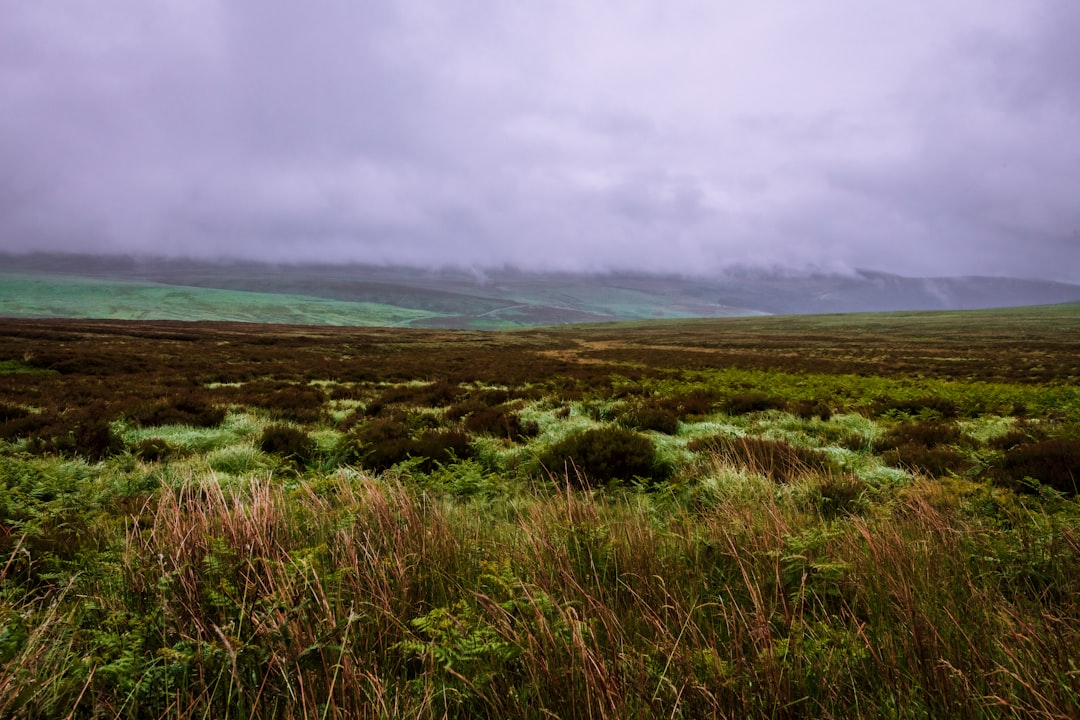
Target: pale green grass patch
733 427
722 483
237 428
15 367
553 428
241 460
987 427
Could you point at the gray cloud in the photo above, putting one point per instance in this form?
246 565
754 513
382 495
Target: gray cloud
922 138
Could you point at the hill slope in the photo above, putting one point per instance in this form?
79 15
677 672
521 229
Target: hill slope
78 286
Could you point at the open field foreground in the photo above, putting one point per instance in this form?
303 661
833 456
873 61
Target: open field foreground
821 516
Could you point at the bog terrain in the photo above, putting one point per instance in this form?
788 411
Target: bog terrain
820 516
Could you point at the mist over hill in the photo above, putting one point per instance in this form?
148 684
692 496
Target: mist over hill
46 284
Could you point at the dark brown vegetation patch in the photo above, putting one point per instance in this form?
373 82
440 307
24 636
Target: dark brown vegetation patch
602 455
383 442
288 443
1054 462
924 434
10 412
183 410
156 450
778 460
925 406
500 422
1022 434
934 461
750 402
810 409
654 417
87 435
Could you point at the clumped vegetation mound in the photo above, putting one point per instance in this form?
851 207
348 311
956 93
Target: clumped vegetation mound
744 403
918 407
501 423
926 447
417 560
1022 434
924 434
288 443
1054 462
10 412
182 410
381 443
809 409
933 461
602 455
780 461
84 432
658 419
156 450
299 403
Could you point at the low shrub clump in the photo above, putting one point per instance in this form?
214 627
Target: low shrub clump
651 417
433 395
382 443
1021 434
923 434
155 450
299 404
810 409
917 407
746 403
934 461
10 412
778 460
288 443
602 455
501 423
839 494
1054 462
182 410
86 434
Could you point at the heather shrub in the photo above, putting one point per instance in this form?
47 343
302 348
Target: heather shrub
88 437
935 461
694 403
918 407
810 409
299 404
155 450
498 422
10 412
1054 462
745 403
288 443
778 460
923 434
602 455
838 494
384 442
1022 434
180 410
660 419
25 426
436 394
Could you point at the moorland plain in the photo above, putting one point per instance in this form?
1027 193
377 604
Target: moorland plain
818 516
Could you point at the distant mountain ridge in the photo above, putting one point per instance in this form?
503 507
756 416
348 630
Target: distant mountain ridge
500 298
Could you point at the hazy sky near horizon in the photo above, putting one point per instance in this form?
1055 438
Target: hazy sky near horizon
925 138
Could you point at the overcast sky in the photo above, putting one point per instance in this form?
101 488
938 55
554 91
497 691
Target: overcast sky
925 137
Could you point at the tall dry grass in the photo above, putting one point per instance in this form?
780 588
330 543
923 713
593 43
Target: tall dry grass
349 596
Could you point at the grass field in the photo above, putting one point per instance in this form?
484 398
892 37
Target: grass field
54 296
821 516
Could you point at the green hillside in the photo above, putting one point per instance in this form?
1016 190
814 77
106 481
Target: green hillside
59 296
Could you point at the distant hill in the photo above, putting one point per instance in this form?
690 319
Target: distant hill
117 287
